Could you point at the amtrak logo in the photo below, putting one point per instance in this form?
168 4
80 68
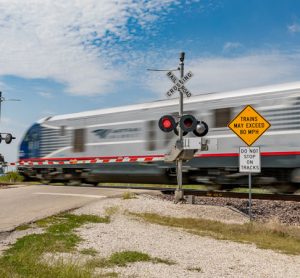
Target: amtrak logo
102 133
117 133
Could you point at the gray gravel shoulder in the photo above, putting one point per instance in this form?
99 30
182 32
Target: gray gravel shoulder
194 256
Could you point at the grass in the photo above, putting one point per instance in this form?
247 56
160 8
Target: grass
132 185
266 236
253 190
196 269
128 195
89 251
11 177
110 211
23 227
23 259
26 257
124 258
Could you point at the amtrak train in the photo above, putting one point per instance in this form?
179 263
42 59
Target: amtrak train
125 144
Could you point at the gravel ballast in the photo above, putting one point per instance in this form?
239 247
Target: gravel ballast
194 256
285 212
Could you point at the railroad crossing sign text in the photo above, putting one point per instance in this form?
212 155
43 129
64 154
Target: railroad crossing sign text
179 84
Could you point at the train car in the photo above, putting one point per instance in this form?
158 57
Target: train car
125 144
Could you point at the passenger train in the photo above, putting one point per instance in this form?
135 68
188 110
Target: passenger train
125 144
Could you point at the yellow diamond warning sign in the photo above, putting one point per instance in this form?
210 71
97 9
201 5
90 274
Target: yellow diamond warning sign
249 125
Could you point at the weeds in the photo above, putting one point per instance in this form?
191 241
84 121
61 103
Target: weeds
128 195
124 258
23 227
89 251
196 269
11 177
286 240
23 259
111 211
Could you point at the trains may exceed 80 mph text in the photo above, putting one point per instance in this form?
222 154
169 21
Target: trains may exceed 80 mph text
249 125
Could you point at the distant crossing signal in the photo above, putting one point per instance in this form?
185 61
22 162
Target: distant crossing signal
8 138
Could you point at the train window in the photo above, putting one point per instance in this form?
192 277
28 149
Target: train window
222 117
151 128
62 130
79 140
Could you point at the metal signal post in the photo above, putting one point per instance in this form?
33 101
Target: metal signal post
183 150
8 136
179 191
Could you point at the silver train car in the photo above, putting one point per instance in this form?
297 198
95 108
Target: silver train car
125 144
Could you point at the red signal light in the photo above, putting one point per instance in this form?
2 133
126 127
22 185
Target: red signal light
166 123
188 123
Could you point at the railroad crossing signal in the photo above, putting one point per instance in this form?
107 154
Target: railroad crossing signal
179 84
249 125
188 123
167 123
8 138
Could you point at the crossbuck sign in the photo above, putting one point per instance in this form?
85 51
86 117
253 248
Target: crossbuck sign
179 84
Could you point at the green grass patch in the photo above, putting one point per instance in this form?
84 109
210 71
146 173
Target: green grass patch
23 259
89 251
253 190
110 211
128 195
132 185
12 176
196 269
124 258
279 238
23 227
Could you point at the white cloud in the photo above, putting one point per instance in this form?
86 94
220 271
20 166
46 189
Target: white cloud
45 94
294 28
231 45
53 39
218 74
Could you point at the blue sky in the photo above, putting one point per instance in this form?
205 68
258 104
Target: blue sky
69 56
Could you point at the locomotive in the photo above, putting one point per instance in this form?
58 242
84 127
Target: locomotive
125 144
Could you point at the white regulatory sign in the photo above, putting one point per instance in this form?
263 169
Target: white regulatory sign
250 160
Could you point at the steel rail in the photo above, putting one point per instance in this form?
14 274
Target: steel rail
220 194
238 195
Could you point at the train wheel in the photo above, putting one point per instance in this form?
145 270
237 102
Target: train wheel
287 188
94 183
74 182
45 180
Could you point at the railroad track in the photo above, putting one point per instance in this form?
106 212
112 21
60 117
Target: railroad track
220 194
204 193
224 194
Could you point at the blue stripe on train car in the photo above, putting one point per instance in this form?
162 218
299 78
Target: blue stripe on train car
30 145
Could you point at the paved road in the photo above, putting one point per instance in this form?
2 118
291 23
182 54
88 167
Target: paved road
24 204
